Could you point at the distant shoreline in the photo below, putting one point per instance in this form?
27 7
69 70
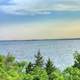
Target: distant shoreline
44 39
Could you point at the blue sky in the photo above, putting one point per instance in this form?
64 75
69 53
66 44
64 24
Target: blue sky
39 19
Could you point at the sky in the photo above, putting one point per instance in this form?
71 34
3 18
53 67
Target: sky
39 19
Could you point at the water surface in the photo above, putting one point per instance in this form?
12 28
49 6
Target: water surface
60 51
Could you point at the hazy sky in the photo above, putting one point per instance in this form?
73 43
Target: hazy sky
39 19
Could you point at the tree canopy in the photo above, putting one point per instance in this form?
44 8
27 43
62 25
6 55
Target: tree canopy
10 69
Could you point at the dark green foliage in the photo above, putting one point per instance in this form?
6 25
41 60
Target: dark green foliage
29 68
21 64
39 59
36 78
50 68
76 60
2 59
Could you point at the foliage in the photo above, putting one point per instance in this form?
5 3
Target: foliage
56 75
50 68
10 69
29 68
76 60
72 74
39 74
39 59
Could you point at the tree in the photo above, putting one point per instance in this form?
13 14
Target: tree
71 73
29 68
28 77
9 61
39 73
56 75
36 78
39 59
76 60
49 68
1 60
20 66
9 58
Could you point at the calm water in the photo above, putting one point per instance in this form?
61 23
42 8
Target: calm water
60 51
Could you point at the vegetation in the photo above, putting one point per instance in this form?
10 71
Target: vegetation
39 59
10 69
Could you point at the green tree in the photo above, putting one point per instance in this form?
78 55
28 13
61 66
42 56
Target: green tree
39 59
71 73
20 66
76 60
39 73
2 58
36 78
10 58
28 77
9 61
56 75
29 68
50 68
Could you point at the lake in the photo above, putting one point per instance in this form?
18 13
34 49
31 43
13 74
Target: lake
60 51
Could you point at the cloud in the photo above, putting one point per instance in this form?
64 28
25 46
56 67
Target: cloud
32 7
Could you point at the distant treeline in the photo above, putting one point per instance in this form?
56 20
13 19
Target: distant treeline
10 69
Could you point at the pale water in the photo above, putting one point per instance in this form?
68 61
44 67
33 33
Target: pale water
60 51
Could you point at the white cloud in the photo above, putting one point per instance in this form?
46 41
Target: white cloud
40 6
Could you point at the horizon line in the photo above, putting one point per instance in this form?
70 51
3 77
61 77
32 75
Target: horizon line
43 39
